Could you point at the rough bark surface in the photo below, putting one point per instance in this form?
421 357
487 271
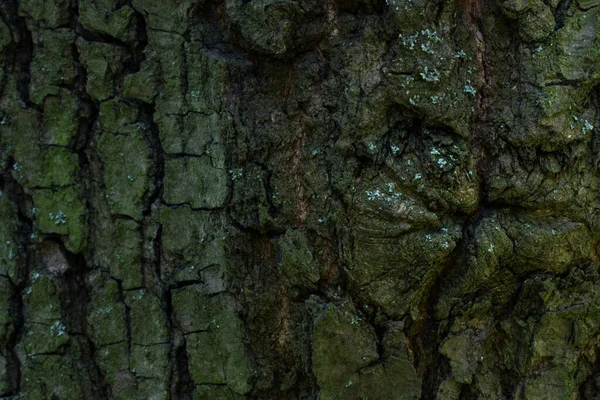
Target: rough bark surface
310 199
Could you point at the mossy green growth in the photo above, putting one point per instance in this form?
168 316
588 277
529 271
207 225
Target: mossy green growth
6 317
150 361
50 14
193 315
250 203
5 37
537 24
587 4
562 336
207 74
464 353
20 135
60 119
210 392
449 390
432 76
394 272
57 373
214 339
278 28
41 299
52 64
192 241
104 64
118 117
113 360
4 383
298 267
207 358
164 16
10 252
153 389
47 167
196 181
346 362
553 245
126 172
148 320
106 18
62 211
343 344
106 314
397 376
168 50
126 261
195 134
45 332
514 8
142 84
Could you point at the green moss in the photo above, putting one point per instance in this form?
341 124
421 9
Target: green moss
55 372
397 376
200 316
52 13
103 63
126 260
393 272
207 76
208 392
45 330
113 360
464 354
126 172
5 37
61 115
153 388
169 50
126 386
298 267
106 314
118 116
343 344
214 339
192 242
207 358
106 18
278 28
195 181
150 361
20 137
346 362
143 84
165 17
195 134
10 253
48 167
513 8
4 383
537 24
41 299
549 245
449 390
6 317
52 64
62 211
148 320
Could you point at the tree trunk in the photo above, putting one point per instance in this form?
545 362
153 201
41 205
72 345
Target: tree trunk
299 199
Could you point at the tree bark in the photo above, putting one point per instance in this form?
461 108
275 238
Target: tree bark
299 199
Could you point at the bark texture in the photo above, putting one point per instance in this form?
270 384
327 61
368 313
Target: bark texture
309 199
